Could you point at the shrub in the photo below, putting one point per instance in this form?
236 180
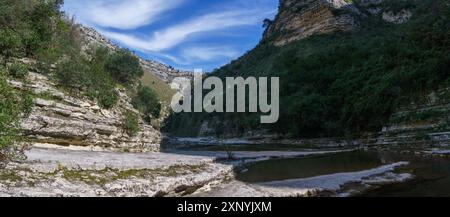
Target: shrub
26 26
73 73
10 44
107 95
18 70
130 123
89 76
124 67
146 101
102 87
12 105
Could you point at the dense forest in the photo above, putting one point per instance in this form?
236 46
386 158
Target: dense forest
343 83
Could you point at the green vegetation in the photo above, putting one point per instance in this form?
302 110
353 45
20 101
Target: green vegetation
18 70
108 175
124 67
130 123
419 116
14 104
38 30
89 76
27 26
397 5
146 101
343 84
162 90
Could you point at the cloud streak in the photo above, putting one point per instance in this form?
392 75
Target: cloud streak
119 14
209 53
185 33
175 35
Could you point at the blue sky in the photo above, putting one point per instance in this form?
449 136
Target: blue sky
186 34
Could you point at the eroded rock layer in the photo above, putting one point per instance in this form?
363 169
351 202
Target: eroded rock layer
62 119
300 19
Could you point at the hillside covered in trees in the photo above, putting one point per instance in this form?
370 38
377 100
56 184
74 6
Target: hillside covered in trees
341 83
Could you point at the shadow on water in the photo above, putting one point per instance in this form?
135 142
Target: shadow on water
432 174
171 146
432 179
282 169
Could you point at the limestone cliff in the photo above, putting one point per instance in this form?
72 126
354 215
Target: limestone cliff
166 73
61 118
299 19
424 122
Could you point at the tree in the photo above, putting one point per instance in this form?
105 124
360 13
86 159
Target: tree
10 44
73 73
267 23
14 105
124 67
147 102
130 123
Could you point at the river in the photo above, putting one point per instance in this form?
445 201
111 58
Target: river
431 173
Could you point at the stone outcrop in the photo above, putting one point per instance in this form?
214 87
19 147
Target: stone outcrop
62 119
66 173
397 18
166 73
426 122
299 19
375 7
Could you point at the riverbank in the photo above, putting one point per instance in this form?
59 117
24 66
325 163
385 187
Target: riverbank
78 173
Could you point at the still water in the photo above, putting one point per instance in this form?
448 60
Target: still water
432 174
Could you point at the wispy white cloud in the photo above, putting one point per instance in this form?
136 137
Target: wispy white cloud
209 53
177 34
156 30
119 14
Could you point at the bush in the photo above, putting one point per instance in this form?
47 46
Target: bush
103 87
107 96
130 123
73 73
13 104
124 67
10 44
90 76
18 70
26 26
146 101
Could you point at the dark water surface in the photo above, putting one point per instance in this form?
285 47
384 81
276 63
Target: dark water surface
281 169
432 179
432 174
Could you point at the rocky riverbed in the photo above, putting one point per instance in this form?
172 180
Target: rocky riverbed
57 172
80 173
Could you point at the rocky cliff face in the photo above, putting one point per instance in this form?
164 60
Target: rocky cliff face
69 119
420 123
299 19
166 73
59 118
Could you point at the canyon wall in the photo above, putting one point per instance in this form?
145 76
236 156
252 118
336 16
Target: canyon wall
164 72
300 19
66 119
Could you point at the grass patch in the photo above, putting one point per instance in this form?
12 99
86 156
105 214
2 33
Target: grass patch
108 175
162 89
